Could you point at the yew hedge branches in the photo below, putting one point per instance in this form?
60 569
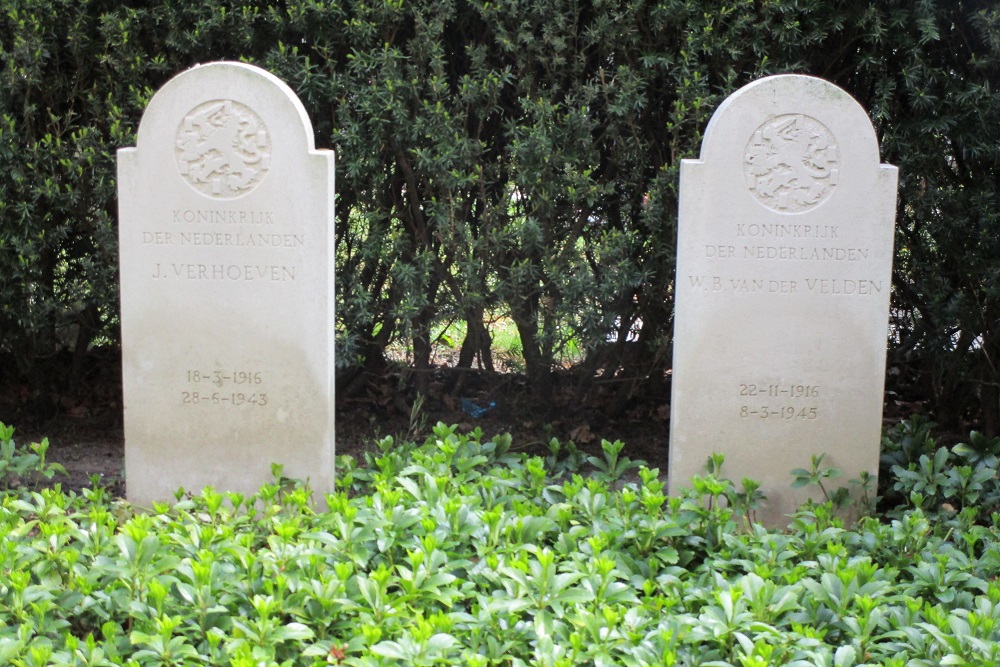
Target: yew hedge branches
516 159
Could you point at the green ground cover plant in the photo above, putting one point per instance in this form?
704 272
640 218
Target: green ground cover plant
458 550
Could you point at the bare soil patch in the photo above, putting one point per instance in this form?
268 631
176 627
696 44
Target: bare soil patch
86 436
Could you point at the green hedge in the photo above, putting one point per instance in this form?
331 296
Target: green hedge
515 158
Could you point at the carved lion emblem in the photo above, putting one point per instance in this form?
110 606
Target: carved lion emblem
792 163
223 149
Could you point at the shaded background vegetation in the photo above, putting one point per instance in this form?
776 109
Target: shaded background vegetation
514 160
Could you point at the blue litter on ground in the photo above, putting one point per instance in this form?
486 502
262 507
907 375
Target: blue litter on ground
474 410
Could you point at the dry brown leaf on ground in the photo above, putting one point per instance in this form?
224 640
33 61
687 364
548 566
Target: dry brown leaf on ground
581 434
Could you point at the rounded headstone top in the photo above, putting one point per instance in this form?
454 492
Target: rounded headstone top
223 124
792 140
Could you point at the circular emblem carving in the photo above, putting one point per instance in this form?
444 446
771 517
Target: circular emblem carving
792 163
223 149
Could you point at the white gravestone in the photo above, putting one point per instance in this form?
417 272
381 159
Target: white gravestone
784 260
227 302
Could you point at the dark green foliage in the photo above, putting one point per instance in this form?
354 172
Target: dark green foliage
74 79
916 471
513 159
940 112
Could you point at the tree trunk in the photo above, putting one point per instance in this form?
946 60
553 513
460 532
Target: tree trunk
536 366
477 344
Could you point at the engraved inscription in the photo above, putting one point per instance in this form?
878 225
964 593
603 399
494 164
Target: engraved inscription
220 378
754 390
223 149
826 286
217 228
244 388
233 399
243 240
792 163
792 253
845 287
786 253
785 412
277 273
220 239
215 216
782 392
784 231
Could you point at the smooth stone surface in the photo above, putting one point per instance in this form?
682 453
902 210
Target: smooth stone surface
227 301
784 260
